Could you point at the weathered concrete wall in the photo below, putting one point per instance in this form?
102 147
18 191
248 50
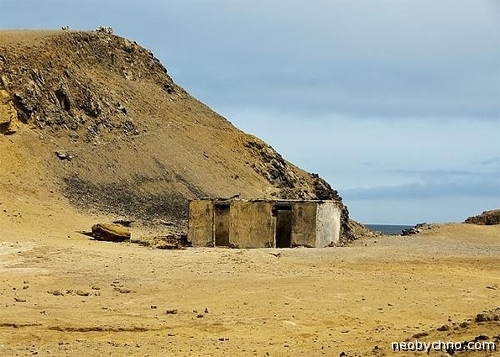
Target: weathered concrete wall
327 224
251 224
304 224
200 226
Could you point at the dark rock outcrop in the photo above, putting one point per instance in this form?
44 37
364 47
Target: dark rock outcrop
486 218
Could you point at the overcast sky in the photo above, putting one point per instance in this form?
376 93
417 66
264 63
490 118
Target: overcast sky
396 103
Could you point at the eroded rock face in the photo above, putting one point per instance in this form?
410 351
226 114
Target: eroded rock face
8 114
49 90
273 167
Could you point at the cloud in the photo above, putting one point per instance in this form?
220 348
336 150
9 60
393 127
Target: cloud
475 187
494 161
376 60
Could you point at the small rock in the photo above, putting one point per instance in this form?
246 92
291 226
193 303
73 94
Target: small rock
420 335
443 328
481 318
64 155
122 290
464 324
19 300
481 338
55 292
171 312
82 293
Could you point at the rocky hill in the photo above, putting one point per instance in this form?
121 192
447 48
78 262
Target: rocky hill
94 118
487 218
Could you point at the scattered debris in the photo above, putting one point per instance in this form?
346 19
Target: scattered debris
170 241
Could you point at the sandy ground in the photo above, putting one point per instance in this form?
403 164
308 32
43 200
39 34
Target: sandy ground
63 294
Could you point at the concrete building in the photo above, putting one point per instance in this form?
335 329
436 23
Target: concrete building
243 223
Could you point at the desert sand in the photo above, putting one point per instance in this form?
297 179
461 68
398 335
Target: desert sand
64 294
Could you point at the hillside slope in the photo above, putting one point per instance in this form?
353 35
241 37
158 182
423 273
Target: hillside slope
95 119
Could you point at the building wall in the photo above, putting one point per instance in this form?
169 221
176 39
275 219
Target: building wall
251 224
327 224
200 225
304 224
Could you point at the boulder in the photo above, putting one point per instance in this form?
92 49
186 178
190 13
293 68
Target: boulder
410 231
110 232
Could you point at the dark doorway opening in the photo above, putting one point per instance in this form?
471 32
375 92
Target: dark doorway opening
283 227
221 225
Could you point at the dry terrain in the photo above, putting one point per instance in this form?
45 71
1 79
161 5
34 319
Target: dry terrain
64 294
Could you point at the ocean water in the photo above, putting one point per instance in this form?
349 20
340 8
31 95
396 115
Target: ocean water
388 229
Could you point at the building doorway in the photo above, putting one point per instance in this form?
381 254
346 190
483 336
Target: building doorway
221 225
283 234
